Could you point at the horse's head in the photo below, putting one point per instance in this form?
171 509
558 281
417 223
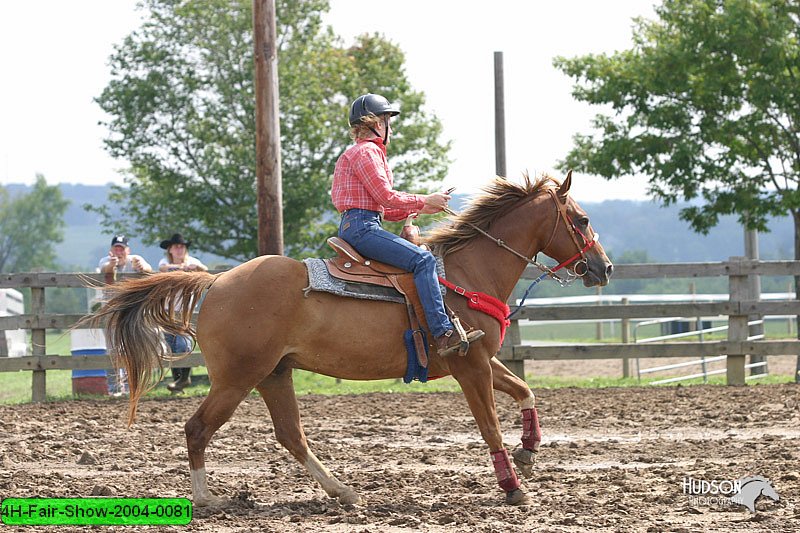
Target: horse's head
523 220
768 491
751 488
574 243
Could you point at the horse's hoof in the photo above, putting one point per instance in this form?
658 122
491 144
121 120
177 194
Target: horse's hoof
210 501
524 460
349 497
516 497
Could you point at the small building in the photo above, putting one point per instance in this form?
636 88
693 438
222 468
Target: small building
13 343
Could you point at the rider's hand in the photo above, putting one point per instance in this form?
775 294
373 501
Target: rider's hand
434 203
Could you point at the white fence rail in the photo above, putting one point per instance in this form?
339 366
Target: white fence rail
703 362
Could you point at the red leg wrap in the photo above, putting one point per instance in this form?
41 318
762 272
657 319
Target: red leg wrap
531 432
506 477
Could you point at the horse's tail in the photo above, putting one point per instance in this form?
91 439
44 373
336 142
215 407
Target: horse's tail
134 313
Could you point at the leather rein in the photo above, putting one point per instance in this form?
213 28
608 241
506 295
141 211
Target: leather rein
579 258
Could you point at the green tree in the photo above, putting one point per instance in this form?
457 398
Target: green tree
706 104
30 224
182 115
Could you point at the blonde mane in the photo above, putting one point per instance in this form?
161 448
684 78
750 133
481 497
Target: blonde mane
498 197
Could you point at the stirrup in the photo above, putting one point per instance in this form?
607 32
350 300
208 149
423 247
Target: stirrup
460 346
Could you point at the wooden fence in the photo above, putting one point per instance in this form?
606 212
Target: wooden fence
513 353
740 306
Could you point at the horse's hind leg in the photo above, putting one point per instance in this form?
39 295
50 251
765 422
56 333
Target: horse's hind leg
505 381
277 390
215 410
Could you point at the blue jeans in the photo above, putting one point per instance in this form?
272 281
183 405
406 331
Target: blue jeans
178 344
363 231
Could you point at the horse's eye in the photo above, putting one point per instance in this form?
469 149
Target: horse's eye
583 222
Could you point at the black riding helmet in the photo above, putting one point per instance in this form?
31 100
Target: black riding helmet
372 104
369 103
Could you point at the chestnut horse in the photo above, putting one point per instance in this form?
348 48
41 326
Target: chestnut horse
255 326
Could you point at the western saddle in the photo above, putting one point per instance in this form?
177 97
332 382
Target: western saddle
351 266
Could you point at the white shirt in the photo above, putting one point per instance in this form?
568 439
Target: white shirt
189 260
128 266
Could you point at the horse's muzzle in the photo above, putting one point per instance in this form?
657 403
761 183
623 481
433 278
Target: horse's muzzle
598 274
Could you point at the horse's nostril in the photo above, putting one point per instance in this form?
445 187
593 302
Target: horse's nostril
609 270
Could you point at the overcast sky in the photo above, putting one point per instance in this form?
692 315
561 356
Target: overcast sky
53 60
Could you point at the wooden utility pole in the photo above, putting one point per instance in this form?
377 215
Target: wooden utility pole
268 131
499 117
513 336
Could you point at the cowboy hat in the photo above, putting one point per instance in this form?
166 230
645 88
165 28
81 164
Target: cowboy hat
176 238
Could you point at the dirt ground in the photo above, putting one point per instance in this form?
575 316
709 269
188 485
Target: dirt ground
611 460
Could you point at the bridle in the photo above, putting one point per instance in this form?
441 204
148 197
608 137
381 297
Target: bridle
583 246
579 258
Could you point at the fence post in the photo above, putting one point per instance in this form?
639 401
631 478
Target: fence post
790 321
738 330
599 324
39 342
754 289
506 354
626 339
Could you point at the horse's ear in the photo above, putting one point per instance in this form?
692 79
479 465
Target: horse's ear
563 190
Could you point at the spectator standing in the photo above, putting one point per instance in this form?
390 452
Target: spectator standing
120 259
176 258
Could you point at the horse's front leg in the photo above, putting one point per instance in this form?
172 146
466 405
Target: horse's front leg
277 390
474 374
506 381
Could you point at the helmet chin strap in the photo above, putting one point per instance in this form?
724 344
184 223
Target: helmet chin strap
385 130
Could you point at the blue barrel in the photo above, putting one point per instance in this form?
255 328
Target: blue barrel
89 373
88 342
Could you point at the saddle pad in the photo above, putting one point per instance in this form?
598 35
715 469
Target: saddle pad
320 280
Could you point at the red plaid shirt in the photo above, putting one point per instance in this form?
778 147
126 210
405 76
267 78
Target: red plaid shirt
362 179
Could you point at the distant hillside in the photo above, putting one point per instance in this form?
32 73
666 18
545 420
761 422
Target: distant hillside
626 225
623 226
84 239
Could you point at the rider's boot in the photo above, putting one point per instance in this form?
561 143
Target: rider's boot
450 342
